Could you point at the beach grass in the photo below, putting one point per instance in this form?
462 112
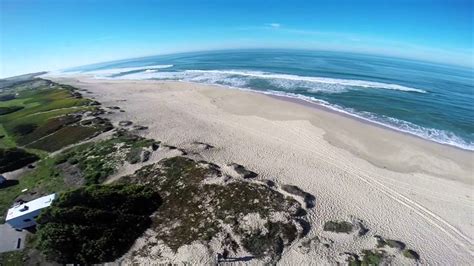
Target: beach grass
338 226
12 258
411 254
193 211
5 140
101 159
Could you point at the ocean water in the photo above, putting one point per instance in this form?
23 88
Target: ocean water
431 101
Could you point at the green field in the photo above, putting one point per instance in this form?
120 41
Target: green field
37 113
45 118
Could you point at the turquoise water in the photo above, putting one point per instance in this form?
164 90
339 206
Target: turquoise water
431 101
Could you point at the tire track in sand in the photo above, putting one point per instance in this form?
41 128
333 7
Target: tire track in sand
432 218
450 230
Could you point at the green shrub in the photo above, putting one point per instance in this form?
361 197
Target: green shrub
24 129
411 254
95 224
372 257
134 155
9 109
395 244
338 226
101 159
368 258
272 243
12 258
15 158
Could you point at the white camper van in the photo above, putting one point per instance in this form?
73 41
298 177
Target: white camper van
23 215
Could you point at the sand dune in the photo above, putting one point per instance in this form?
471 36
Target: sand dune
400 186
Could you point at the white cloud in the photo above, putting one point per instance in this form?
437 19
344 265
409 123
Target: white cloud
273 25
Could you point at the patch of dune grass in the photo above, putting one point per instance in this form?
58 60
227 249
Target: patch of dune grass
12 258
411 254
101 159
369 258
193 211
338 226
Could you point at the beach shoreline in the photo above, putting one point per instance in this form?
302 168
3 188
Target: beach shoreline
401 185
361 119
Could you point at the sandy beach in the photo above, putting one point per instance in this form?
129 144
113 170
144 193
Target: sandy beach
400 186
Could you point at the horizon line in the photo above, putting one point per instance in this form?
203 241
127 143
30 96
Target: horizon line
405 58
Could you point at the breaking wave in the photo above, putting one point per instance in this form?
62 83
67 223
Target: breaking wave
284 81
285 85
113 72
304 81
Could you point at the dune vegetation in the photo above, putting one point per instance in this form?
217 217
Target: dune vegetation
120 214
43 115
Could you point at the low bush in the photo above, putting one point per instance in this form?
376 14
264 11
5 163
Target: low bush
24 129
272 242
411 254
338 226
15 158
101 159
95 224
9 109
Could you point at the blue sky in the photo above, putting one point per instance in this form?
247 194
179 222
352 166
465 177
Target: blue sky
50 34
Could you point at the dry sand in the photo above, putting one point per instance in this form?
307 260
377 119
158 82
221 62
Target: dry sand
401 186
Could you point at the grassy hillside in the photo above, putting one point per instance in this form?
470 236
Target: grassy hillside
43 115
37 117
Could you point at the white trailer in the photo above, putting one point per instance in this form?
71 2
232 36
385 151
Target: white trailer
23 215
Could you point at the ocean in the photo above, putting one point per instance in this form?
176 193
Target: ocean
431 101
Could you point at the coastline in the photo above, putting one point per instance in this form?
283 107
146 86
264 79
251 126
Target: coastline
452 151
341 112
351 167
360 119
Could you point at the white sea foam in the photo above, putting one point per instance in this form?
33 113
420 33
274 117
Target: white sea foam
241 78
105 73
433 134
332 81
